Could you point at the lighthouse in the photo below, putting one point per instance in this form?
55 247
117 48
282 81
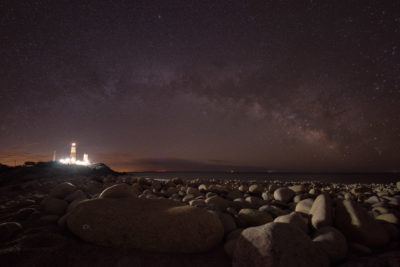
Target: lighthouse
73 160
73 152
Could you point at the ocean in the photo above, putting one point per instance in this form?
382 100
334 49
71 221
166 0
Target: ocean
379 178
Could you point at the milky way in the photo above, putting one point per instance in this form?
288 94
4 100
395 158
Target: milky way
203 85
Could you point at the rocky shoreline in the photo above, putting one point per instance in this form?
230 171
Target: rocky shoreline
123 220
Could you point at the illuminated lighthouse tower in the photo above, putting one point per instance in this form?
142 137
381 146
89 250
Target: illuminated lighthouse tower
72 158
73 152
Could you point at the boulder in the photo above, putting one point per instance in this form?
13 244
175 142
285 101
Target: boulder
255 201
273 210
54 206
253 217
372 200
218 202
158 225
321 211
283 194
332 241
62 190
298 188
277 244
294 219
119 191
304 206
266 196
256 189
358 226
388 217
193 191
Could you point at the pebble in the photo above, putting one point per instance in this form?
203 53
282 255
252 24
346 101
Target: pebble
283 194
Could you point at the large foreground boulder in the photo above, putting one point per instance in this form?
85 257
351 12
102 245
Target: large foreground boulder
332 241
321 211
277 244
159 225
358 226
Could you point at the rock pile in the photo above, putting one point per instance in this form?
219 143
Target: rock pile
270 223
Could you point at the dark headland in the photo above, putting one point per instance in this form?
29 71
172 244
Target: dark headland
60 215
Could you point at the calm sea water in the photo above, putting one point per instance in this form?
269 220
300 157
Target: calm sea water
381 178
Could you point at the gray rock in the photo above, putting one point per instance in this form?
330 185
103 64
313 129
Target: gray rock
218 202
256 189
188 198
358 226
294 219
193 191
388 217
148 224
283 194
304 206
332 241
299 188
266 196
273 210
54 206
253 217
62 190
243 188
321 211
276 244
372 200
255 201
8 230
119 191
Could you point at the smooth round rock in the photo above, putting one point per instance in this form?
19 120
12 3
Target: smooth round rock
62 190
321 211
304 206
388 217
158 225
283 194
218 202
332 241
253 217
294 219
358 226
256 189
277 244
119 191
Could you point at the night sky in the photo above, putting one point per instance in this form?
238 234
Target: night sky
202 85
